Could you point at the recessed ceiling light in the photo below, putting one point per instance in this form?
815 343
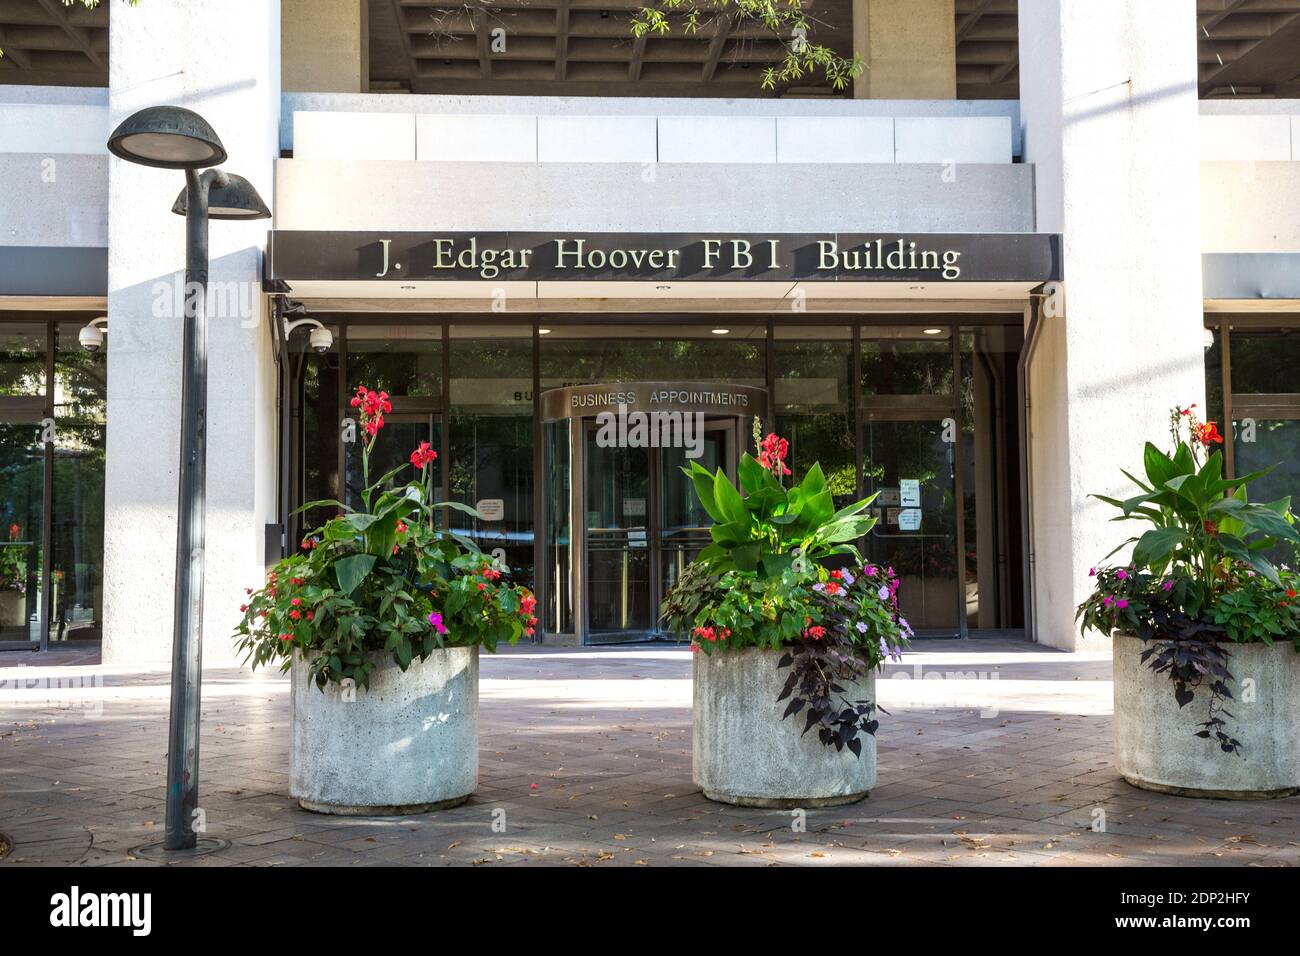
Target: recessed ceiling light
543 331
663 288
409 288
721 331
933 331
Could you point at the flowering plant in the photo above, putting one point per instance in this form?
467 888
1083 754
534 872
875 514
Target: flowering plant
783 574
13 563
382 578
1200 578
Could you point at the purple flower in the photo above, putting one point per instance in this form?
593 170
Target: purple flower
435 620
1121 603
848 577
1092 572
1167 585
819 586
862 627
1121 575
883 593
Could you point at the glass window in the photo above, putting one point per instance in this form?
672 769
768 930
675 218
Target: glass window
1265 361
77 555
22 358
814 403
907 360
319 427
402 360
585 355
491 448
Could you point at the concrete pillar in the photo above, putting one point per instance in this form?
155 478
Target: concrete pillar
1109 108
909 47
226 68
324 46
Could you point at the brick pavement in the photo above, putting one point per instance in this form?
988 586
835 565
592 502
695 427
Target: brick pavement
1001 757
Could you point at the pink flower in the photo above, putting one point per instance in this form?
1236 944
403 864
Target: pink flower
435 621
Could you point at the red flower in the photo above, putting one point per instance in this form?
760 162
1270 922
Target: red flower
310 615
243 608
296 601
401 527
1208 434
296 615
373 406
527 603
816 632
772 455
423 455
14 532
1211 527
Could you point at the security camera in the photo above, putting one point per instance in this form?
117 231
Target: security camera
91 337
321 339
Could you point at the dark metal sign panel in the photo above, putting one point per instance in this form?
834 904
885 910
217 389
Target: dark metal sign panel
53 270
588 401
668 257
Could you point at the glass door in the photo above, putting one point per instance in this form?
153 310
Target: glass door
22 529
683 524
910 464
617 500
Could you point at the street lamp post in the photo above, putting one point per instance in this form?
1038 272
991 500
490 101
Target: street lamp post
169 137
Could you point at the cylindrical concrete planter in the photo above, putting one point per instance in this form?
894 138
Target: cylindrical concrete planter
406 744
1156 747
745 754
13 608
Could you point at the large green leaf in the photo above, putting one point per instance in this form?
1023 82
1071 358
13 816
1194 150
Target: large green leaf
730 503
1154 548
1159 467
351 571
703 481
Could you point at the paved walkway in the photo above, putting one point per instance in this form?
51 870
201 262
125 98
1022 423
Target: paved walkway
1002 756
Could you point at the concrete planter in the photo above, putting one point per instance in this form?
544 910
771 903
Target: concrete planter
13 609
1155 746
745 754
408 744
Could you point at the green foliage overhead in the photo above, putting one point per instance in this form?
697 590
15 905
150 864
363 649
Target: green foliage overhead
784 18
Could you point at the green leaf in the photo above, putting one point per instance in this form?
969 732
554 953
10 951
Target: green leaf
703 482
730 503
1160 468
1154 548
351 571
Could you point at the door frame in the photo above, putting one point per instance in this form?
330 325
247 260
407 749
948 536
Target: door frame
729 426
902 408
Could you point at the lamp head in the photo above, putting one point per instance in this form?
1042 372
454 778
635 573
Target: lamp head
167 137
235 198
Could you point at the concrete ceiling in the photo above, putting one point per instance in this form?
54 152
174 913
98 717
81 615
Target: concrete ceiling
584 47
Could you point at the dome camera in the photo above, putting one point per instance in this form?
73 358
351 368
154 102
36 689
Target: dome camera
321 339
91 337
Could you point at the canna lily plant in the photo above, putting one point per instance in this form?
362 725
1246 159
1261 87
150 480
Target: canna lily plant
382 578
782 573
1200 577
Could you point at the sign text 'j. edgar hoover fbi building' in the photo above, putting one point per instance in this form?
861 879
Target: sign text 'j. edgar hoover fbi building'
527 256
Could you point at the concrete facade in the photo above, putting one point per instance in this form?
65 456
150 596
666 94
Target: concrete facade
1119 345
1123 342
227 69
